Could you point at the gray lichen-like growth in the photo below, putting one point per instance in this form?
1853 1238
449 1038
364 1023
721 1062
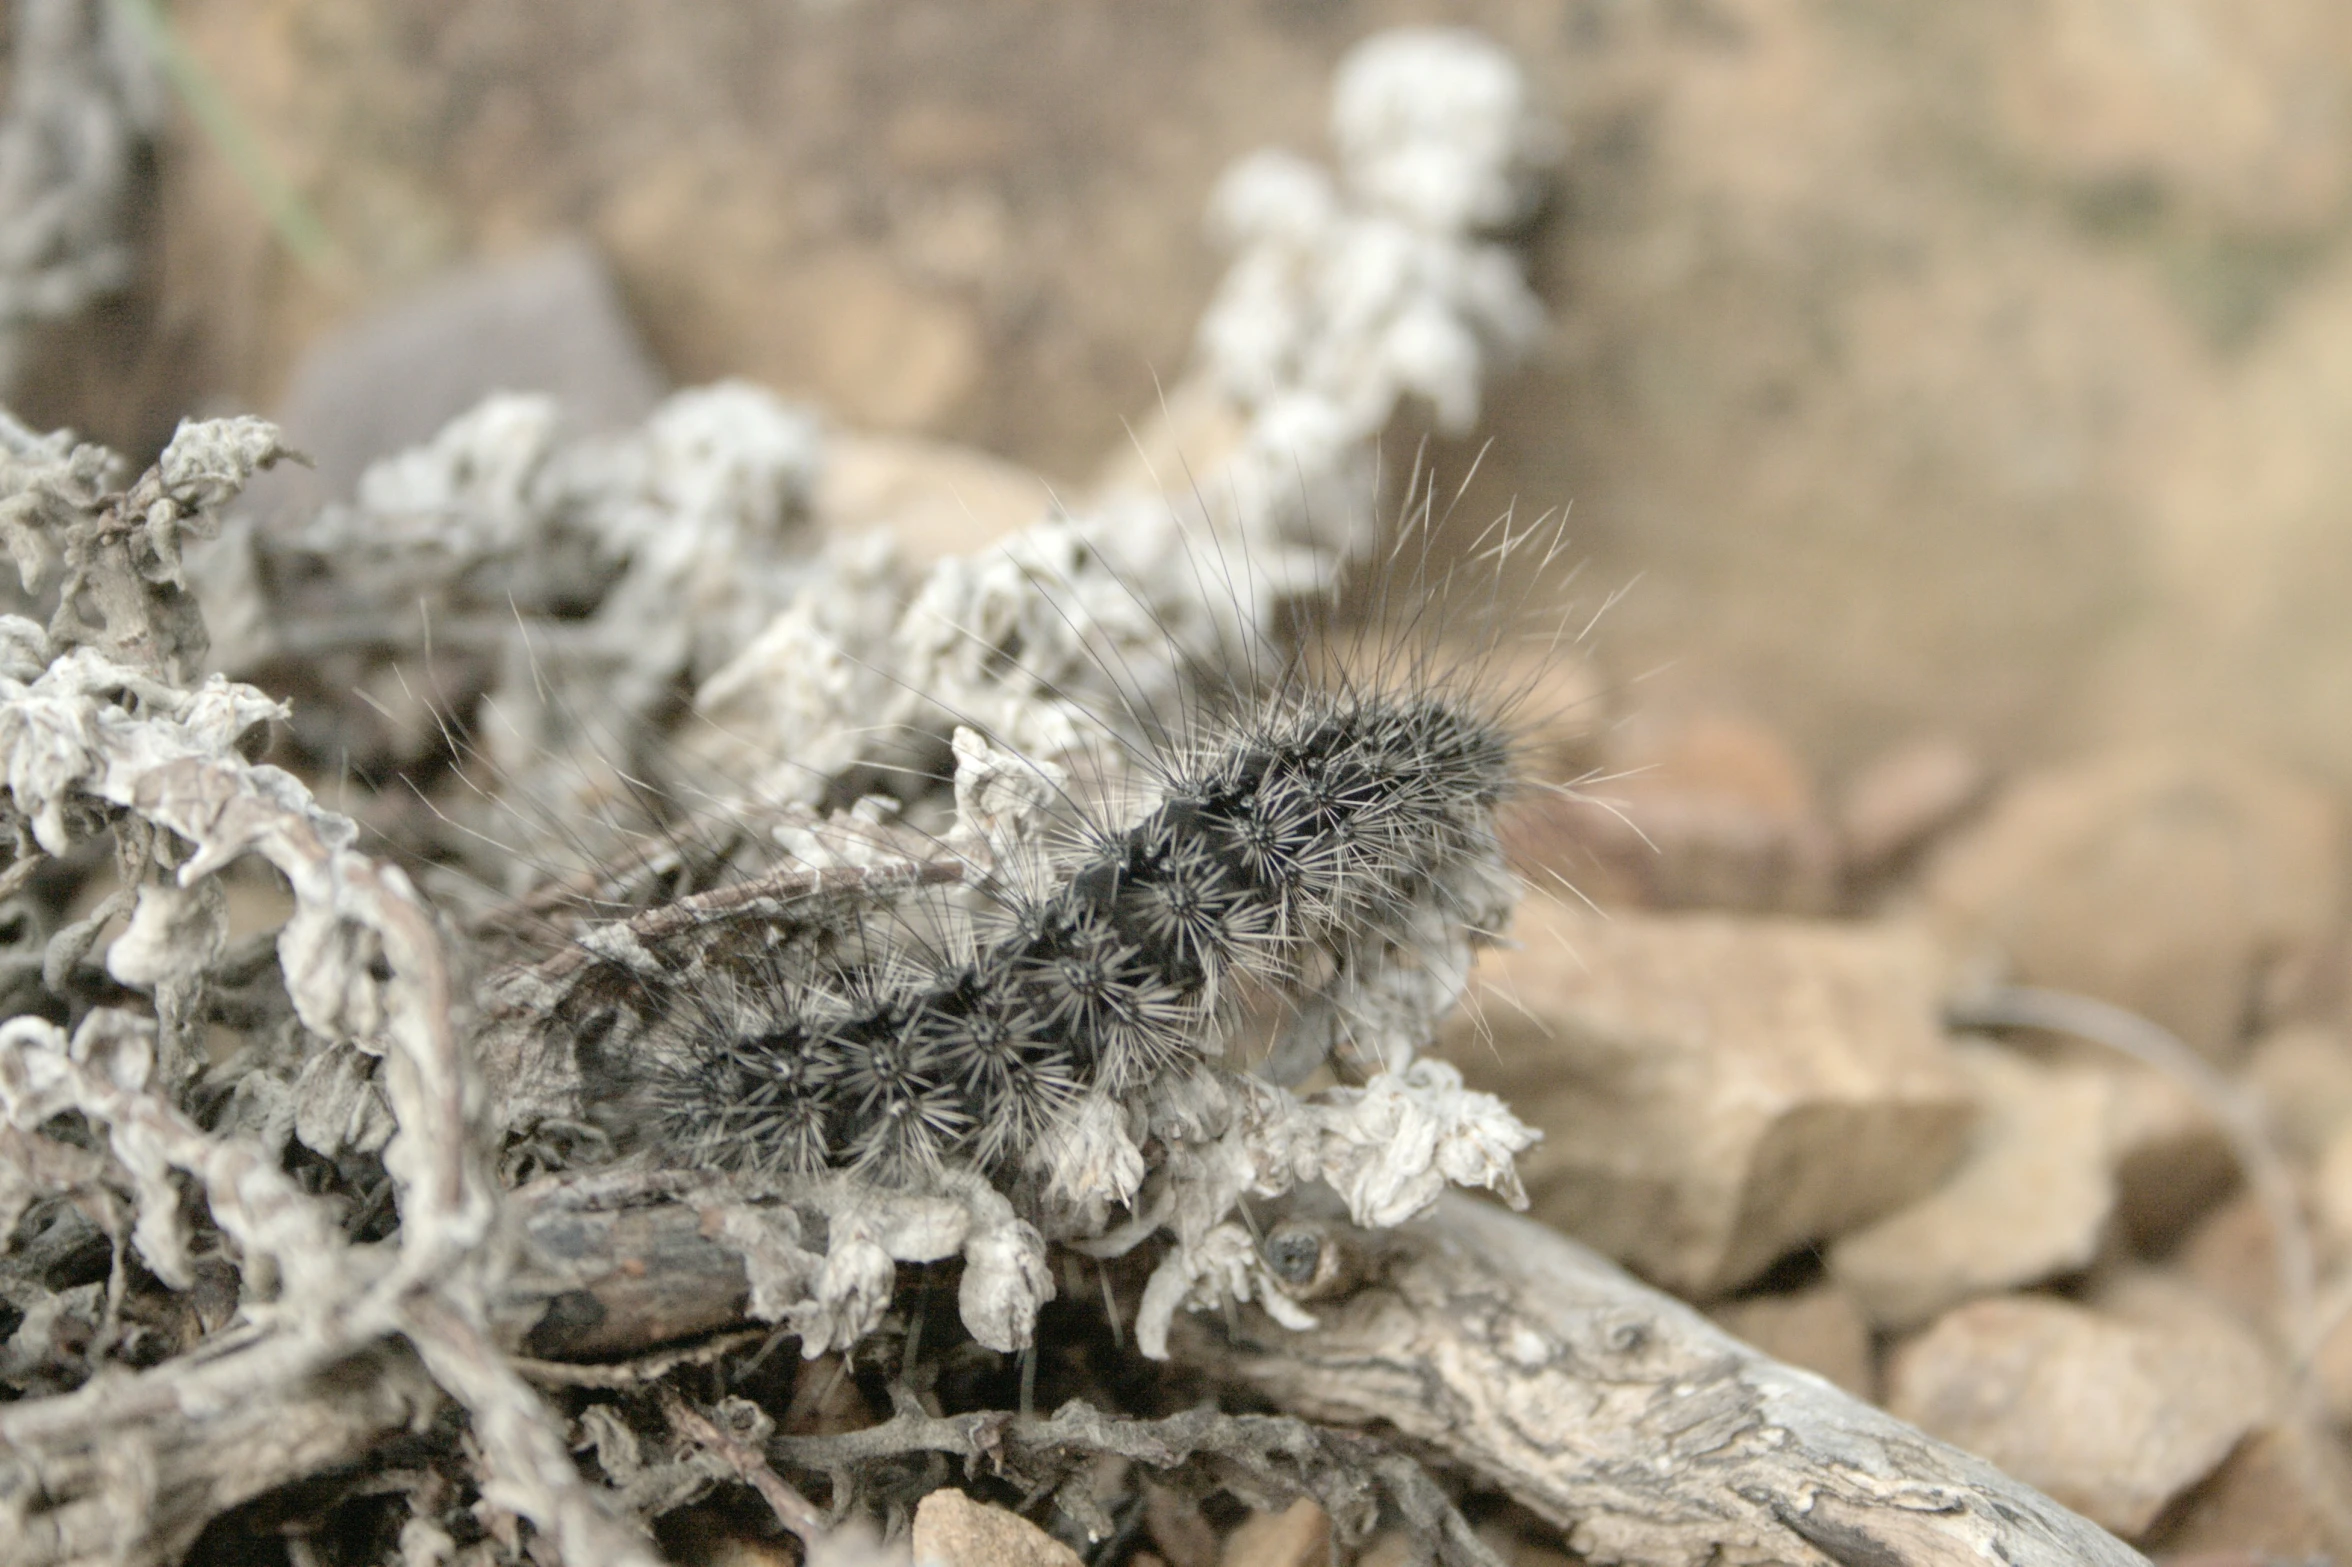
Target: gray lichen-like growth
565 576
83 100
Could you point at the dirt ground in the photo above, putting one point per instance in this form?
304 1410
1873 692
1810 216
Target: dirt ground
1976 369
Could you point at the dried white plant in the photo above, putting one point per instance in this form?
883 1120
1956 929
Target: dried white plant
594 576
85 98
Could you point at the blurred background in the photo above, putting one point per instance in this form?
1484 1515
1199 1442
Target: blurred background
1974 370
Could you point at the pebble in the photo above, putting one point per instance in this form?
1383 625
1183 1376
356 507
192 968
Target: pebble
825 1400
548 320
1177 1526
2114 1419
1819 1329
1903 799
2232 1256
2331 1222
952 1530
2303 1076
2266 1500
1298 1536
2331 1369
1712 812
2200 891
2171 1159
1716 1092
2030 1199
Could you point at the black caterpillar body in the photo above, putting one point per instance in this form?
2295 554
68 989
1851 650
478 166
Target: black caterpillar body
1310 823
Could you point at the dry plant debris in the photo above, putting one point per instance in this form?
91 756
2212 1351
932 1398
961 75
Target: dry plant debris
85 100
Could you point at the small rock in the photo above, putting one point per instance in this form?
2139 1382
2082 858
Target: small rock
2029 1201
1896 804
2163 1298
548 321
851 330
1717 1092
825 1400
2171 1159
935 498
2331 1370
2331 1197
1511 1546
2271 1490
2113 1419
1819 1330
2197 891
1177 1527
2232 1255
1298 1536
2303 1075
1709 813
1392 1548
952 1530
2265 1499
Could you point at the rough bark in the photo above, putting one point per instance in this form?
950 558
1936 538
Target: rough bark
1646 1433
1649 1436
199 1452
1609 1408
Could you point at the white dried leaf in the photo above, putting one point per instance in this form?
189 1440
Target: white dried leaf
24 651
914 1226
1087 1163
1389 1147
54 1320
424 1543
1201 1276
617 1451
1435 124
1271 195
779 710
852 1291
1003 802
734 450
782 1273
207 464
114 1047
175 935
86 94
338 1105
469 493
34 1081
336 975
49 752
1006 1279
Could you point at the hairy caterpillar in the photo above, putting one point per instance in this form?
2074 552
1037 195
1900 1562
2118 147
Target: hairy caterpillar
1012 1008
1288 837
1304 863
